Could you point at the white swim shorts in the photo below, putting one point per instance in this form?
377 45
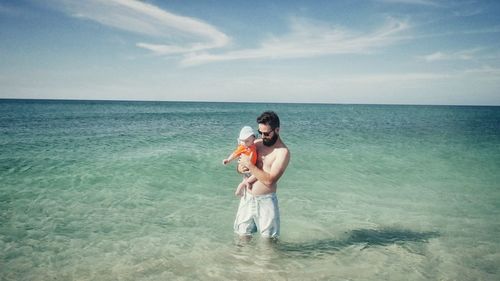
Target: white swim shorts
258 213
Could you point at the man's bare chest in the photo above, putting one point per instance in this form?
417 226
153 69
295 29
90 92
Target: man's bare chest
267 157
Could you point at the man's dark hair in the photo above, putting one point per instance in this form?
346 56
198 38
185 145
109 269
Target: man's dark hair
269 118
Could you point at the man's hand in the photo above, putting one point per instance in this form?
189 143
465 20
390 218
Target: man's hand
242 169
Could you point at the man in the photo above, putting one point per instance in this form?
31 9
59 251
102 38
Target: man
258 209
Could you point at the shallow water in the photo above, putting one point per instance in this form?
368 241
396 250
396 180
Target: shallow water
137 191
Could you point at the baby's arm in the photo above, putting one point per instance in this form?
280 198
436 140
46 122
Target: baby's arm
229 159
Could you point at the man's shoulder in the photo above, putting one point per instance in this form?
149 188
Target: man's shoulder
281 145
283 150
283 154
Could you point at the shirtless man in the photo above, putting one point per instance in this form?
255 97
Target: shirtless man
258 209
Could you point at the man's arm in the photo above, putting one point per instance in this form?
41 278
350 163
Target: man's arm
277 168
251 179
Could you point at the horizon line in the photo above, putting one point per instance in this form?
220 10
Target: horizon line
242 102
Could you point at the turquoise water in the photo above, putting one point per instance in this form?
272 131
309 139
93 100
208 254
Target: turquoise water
136 191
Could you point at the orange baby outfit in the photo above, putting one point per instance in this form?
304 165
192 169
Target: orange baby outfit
241 149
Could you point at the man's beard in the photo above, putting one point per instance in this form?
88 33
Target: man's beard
271 141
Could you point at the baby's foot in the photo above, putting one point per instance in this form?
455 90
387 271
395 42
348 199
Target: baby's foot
239 192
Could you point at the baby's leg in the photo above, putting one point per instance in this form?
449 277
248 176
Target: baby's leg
241 187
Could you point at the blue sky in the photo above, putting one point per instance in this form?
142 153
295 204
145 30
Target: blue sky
358 51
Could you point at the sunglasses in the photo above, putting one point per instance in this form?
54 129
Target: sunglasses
266 134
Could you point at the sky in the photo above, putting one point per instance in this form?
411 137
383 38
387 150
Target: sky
355 52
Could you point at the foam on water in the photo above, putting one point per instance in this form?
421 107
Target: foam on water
136 191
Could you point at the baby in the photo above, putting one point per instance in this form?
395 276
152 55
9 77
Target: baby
245 146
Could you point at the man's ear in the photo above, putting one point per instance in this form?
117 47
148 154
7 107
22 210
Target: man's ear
277 130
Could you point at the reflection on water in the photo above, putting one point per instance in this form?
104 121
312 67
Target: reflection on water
262 259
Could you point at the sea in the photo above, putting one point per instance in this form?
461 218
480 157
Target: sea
123 190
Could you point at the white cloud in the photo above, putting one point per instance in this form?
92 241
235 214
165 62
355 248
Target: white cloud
413 2
195 39
485 71
459 55
190 34
310 40
395 77
469 13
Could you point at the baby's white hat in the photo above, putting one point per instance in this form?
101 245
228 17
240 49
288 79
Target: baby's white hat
245 133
